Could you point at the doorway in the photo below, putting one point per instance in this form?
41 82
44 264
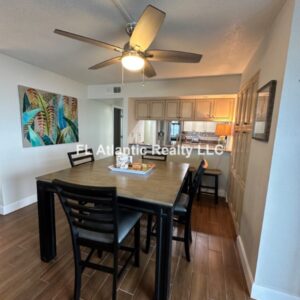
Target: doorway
118 127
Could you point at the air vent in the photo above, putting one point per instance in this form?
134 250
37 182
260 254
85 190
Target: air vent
117 89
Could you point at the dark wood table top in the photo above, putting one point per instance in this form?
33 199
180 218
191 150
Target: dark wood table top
161 186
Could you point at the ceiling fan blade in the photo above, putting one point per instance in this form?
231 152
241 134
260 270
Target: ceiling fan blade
147 28
173 56
88 40
148 69
106 63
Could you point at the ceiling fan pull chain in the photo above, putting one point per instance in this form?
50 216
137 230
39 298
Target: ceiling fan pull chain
143 82
122 74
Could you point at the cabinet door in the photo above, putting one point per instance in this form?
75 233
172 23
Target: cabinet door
203 109
172 110
142 110
253 102
187 110
238 110
244 107
248 106
223 109
157 110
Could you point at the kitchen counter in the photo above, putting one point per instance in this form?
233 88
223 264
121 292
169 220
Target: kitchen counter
195 146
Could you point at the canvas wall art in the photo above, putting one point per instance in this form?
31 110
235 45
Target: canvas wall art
47 118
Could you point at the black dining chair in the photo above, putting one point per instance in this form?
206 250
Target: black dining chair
97 222
77 158
150 154
182 212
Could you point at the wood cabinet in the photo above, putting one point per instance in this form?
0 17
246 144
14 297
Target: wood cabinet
187 110
172 110
149 109
242 139
157 110
214 109
203 109
142 110
222 109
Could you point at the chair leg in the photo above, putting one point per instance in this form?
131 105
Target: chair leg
137 244
149 229
99 253
199 192
216 189
115 275
77 281
187 242
190 232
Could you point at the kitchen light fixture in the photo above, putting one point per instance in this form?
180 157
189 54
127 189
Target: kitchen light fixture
132 61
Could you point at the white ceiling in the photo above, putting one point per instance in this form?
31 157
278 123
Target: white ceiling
226 32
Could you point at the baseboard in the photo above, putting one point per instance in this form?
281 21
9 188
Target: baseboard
264 293
9 208
245 264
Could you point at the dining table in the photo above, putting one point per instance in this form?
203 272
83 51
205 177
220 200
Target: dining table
155 193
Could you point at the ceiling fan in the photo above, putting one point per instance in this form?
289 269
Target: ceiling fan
135 55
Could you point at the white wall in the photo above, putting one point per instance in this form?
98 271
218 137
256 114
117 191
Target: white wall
212 85
270 59
278 264
20 166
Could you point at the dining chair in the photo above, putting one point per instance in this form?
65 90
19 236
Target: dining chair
151 155
97 222
77 158
182 213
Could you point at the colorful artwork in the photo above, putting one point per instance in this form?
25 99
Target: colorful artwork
47 118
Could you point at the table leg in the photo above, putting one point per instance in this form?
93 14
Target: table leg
163 253
46 213
216 189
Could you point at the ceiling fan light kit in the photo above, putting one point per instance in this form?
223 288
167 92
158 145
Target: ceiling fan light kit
135 55
132 61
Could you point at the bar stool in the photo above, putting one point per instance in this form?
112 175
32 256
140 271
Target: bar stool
215 173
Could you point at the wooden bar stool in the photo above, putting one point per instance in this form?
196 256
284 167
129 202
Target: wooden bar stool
215 173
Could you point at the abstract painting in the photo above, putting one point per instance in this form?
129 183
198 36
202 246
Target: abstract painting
47 118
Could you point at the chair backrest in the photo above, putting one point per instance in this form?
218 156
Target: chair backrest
195 184
77 158
91 208
148 153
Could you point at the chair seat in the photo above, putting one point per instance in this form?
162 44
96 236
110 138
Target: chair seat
180 207
213 172
127 220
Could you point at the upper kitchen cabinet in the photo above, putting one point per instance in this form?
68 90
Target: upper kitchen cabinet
222 109
208 109
142 110
172 110
214 109
187 110
157 110
203 109
149 109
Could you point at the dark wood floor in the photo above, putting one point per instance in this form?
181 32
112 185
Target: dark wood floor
213 274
